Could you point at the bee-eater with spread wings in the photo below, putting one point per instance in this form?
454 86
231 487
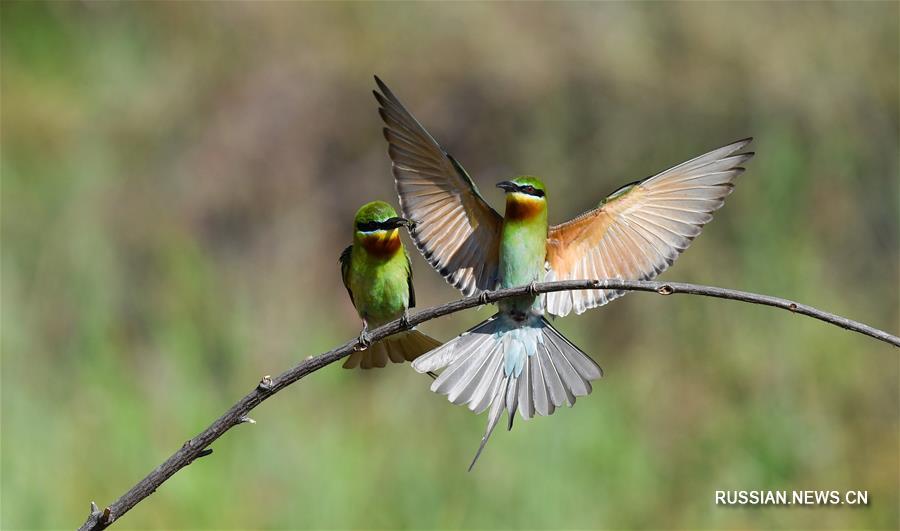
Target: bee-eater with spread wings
516 360
378 276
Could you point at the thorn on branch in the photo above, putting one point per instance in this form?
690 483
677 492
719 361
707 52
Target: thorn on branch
246 420
265 384
665 289
97 519
202 453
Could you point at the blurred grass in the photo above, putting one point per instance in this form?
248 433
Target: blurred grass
178 180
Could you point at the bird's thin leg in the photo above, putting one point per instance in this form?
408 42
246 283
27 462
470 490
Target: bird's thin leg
432 374
532 288
404 319
483 298
364 340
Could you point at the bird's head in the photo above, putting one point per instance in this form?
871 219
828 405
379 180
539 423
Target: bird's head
376 226
525 185
526 197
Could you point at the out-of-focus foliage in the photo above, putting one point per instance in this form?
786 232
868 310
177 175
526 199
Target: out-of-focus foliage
178 180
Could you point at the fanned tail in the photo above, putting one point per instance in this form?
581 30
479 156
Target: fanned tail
405 346
527 367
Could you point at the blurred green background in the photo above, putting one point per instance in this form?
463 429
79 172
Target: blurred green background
178 180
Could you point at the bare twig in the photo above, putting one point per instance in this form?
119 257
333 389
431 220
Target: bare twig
268 386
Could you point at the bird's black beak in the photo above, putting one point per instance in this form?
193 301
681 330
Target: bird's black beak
399 222
508 186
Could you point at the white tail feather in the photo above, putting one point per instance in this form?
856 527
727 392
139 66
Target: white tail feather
526 367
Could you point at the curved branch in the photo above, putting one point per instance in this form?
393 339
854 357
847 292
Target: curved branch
268 386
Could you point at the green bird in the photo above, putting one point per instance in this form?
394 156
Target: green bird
378 276
516 361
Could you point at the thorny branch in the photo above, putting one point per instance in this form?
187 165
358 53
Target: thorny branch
198 446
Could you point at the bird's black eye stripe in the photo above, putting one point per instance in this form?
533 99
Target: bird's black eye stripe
369 226
531 190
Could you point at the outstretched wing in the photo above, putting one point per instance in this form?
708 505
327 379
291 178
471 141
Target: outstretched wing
345 270
455 229
640 229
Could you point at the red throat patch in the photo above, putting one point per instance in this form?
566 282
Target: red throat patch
382 245
521 207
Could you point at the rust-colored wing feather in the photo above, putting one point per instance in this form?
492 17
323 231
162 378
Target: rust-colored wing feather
455 229
639 230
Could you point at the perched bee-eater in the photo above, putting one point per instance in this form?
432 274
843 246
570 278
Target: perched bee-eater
516 360
378 276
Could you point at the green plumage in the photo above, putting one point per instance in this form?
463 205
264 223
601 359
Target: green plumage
523 242
379 289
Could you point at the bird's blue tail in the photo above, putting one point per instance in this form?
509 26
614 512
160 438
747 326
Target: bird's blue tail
502 363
